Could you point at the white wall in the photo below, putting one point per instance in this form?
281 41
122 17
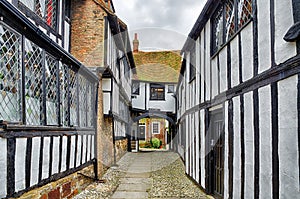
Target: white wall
237 148
3 166
283 21
288 138
265 142
164 105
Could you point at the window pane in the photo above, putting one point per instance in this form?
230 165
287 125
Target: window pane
33 83
171 89
45 9
157 92
10 75
218 30
244 11
51 90
229 19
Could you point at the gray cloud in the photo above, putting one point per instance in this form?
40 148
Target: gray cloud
159 22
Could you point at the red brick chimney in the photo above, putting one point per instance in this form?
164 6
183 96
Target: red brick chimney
135 44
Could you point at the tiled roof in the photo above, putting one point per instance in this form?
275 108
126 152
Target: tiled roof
159 66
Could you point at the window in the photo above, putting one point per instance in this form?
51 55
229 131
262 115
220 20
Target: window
228 19
157 92
68 8
155 128
193 65
45 9
170 88
136 88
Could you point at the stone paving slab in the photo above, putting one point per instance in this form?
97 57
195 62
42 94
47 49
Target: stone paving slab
129 195
136 180
134 187
138 175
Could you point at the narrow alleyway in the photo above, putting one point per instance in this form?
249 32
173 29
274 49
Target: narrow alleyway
145 175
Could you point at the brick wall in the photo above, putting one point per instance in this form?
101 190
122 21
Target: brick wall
121 148
63 188
87 32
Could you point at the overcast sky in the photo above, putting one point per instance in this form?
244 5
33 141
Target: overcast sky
160 24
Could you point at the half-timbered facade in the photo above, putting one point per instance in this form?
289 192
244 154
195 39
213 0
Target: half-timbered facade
238 99
47 114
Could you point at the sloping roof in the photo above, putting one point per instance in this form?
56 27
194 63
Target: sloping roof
156 72
158 66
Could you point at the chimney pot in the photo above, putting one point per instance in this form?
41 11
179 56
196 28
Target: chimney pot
135 44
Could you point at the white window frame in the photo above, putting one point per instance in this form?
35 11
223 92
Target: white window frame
153 128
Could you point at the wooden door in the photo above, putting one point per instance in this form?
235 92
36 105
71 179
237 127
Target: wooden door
215 154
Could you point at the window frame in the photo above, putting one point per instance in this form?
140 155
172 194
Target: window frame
137 92
158 128
41 20
172 90
237 22
154 90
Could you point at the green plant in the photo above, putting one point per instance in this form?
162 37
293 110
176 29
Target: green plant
155 143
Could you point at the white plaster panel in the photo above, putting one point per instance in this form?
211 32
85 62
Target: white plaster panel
84 148
197 117
198 71
283 49
264 35
89 147
247 52
106 103
223 69
78 151
53 37
235 62
67 36
214 74
72 153
202 134
194 145
20 163
93 145
288 138
64 154
46 157
226 152
3 166
139 101
187 160
106 84
202 66
55 155
35 157
207 61
265 142
237 148
249 145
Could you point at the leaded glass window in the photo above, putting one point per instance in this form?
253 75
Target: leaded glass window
45 9
229 18
10 74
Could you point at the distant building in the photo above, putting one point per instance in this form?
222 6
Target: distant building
238 99
153 89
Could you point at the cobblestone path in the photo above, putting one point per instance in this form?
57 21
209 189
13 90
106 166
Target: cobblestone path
145 175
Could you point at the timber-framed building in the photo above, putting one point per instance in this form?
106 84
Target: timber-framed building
238 99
